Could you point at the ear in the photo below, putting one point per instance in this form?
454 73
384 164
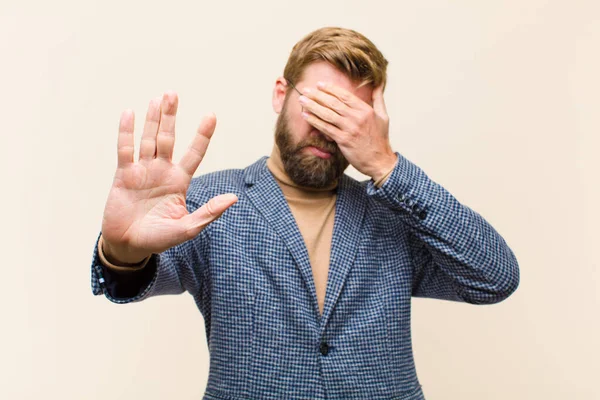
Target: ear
279 92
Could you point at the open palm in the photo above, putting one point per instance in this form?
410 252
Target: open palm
146 211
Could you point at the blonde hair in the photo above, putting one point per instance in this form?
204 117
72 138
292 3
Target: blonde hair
347 50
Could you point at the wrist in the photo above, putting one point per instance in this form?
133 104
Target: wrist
385 167
125 257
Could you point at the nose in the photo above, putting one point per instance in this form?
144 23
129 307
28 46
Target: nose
315 132
328 138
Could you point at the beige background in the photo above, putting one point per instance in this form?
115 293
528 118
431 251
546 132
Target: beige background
497 101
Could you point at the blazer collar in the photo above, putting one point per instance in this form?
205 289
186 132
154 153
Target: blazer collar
253 172
266 195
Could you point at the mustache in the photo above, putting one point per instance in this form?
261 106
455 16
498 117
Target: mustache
330 147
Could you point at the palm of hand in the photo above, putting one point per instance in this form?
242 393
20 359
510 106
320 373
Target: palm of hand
146 208
145 204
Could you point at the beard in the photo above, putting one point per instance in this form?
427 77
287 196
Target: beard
306 169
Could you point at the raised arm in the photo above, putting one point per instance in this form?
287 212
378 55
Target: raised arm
146 219
457 255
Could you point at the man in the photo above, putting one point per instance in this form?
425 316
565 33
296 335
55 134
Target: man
305 282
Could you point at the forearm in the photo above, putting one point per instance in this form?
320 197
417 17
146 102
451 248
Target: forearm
457 254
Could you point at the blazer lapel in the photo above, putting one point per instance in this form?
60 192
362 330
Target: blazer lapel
349 216
264 192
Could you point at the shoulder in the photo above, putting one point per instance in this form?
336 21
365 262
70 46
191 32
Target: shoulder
362 191
354 188
204 187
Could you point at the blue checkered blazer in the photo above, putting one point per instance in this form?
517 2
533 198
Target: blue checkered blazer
250 276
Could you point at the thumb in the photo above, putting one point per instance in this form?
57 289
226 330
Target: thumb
194 223
378 102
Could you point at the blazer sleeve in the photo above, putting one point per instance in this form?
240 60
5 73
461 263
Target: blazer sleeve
173 271
457 255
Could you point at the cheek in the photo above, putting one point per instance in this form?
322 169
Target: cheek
297 122
298 127
295 112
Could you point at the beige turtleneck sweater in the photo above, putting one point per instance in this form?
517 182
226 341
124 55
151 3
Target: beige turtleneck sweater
313 210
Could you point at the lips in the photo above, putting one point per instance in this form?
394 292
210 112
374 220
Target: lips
319 145
318 152
320 149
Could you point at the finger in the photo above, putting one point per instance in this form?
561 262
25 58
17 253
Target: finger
326 128
148 144
378 102
195 153
327 100
343 95
165 139
323 113
193 223
125 139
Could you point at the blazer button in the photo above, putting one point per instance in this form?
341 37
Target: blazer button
422 214
324 348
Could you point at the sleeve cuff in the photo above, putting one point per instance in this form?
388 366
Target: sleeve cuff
123 284
406 189
120 268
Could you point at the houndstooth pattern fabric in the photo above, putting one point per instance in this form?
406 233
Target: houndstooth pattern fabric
250 276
